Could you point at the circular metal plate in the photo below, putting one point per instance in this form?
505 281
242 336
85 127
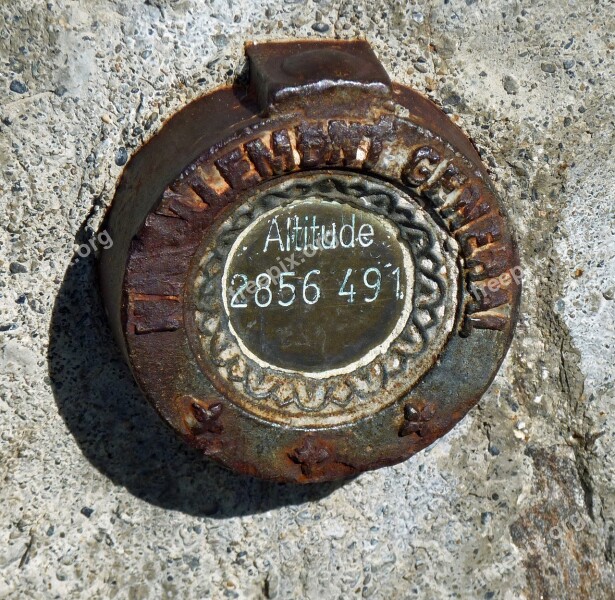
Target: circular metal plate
327 286
322 298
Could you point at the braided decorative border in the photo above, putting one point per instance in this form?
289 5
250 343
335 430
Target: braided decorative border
408 357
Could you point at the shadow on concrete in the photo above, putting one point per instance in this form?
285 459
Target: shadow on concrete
121 435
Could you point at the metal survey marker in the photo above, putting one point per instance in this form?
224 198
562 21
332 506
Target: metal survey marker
312 274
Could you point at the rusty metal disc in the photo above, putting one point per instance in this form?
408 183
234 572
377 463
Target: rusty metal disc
311 276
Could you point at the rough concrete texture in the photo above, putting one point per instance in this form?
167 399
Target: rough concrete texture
98 499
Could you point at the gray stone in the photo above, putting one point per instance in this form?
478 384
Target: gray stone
548 67
421 65
16 267
320 27
510 84
18 87
121 156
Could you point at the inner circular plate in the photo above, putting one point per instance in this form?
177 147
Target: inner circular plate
322 298
317 287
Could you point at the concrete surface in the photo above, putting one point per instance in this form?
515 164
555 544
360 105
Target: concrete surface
99 500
